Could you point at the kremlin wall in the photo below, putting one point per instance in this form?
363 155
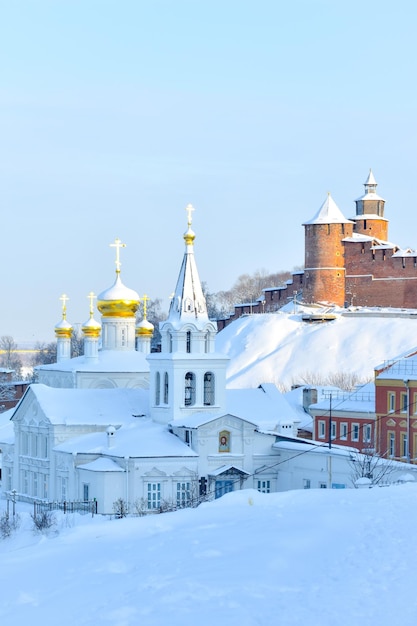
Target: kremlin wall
348 262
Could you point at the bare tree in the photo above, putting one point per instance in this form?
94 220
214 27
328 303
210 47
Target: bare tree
368 464
45 353
9 359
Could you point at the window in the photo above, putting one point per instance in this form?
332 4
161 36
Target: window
306 483
188 437
154 496
367 433
188 342
413 408
322 485
45 486
86 492
157 389
404 445
264 486
25 443
123 337
183 494
166 388
391 402
333 430
25 481
403 402
391 444
207 342
208 388
343 431
169 342
322 429
355 432
189 391
35 484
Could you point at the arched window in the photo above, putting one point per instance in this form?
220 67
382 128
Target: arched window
209 388
188 342
189 389
166 388
157 389
169 341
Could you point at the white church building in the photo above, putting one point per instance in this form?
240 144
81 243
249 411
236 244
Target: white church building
154 429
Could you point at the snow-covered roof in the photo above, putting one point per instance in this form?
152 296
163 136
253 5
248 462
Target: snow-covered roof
140 438
328 213
89 406
107 361
264 406
102 465
6 427
360 400
370 196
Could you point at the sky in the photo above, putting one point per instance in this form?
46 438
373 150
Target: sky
115 115
317 557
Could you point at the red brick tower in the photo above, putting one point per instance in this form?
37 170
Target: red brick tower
369 218
324 255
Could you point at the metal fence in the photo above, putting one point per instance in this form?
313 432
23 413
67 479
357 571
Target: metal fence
89 506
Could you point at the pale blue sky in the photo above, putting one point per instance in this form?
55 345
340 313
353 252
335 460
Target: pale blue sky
116 114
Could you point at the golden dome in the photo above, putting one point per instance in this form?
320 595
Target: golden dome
63 329
91 328
118 300
144 329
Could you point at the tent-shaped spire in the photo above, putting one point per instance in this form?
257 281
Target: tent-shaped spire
328 213
188 304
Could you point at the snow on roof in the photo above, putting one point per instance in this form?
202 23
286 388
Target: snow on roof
263 407
6 426
362 399
370 196
369 216
89 406
107 361
405 253
102 465
140 438
329 213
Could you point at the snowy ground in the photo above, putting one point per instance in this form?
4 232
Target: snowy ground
305 558
280 348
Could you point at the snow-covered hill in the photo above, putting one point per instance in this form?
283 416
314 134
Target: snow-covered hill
300 558
282 349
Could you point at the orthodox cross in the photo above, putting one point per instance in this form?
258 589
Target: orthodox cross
189 208
145 300
117 244
64 299
91 296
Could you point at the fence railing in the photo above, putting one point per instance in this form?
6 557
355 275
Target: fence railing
83 507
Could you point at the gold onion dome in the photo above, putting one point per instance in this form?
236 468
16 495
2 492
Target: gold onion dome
118 300
189 236
91 328
64 328
144 329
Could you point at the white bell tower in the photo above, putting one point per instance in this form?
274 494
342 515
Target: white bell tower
187 376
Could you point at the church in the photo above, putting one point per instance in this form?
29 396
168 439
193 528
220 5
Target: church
154 430
120 422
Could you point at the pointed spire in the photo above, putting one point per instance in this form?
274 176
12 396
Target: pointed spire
188 303
328 213
370 183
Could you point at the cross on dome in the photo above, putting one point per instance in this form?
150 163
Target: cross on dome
64 299
189 208
91 296
117 244
145 300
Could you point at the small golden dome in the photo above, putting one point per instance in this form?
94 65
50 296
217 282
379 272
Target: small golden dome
91 328
118 301
144 329
189 237
63 329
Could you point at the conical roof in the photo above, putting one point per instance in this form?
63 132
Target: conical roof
329 213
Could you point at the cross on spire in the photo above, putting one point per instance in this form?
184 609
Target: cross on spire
189 208
64 299
117 244
91 296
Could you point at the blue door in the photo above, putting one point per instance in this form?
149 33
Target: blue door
222 487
